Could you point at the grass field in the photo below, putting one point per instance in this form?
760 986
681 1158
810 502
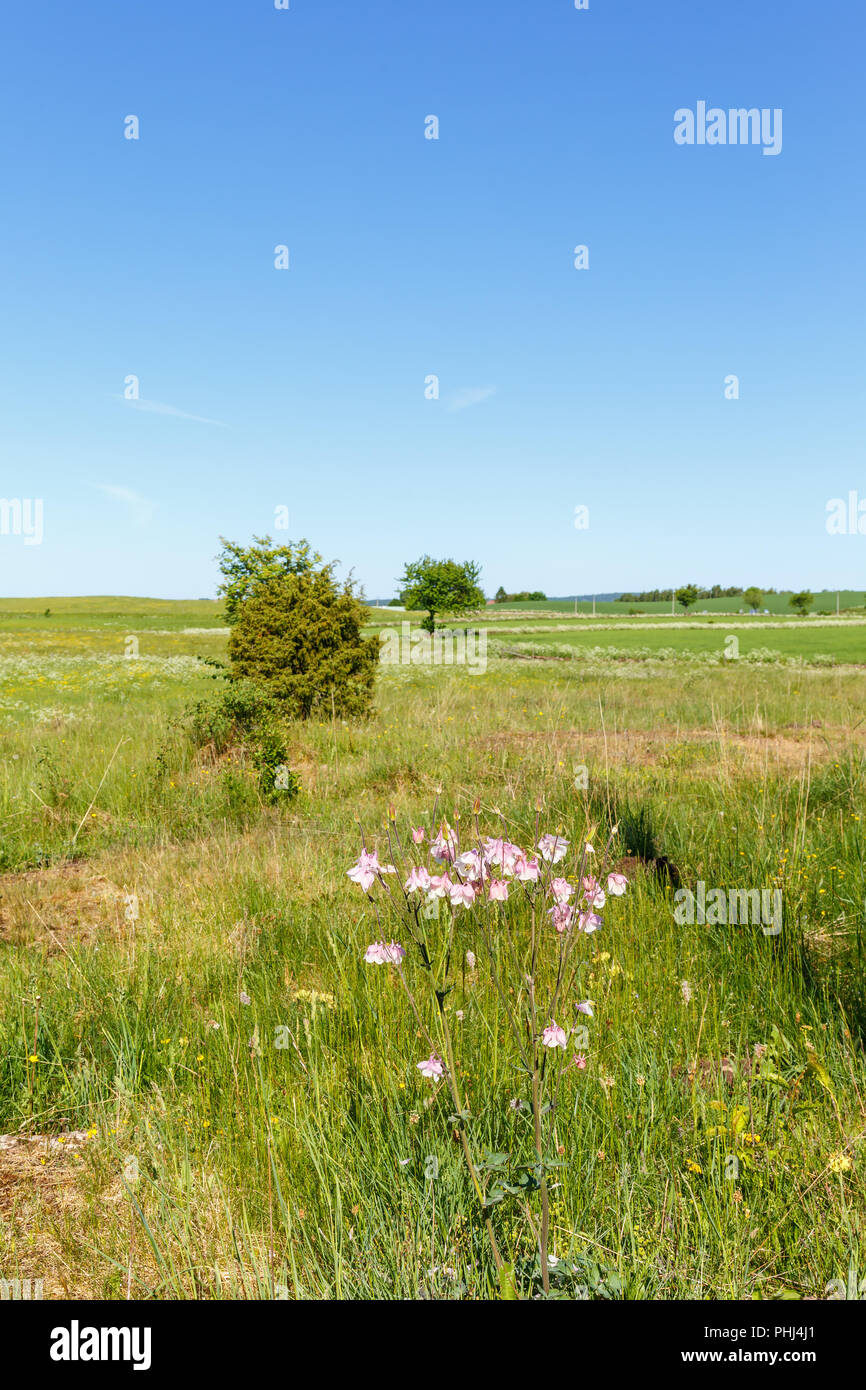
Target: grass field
206 1093
806 641
776 604
815 640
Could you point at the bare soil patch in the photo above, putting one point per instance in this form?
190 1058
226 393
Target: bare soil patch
789 751
65 903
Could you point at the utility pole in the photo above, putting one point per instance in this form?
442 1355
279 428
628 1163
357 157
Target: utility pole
593 605
673 593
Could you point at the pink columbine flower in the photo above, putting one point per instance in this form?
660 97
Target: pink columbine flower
526 870
502 853
510 857
561 890
469 863
617 884
418 878
439 886
418 833
589 922
493 849
368 869
589 848
384 953
579 1061
432 1067
444 847
594 892
552 848
561 916
498 890
462 895
554 1036
586 1008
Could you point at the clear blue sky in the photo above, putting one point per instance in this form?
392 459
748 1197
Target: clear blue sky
409 257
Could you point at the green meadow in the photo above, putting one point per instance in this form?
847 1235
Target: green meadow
61 614
205 1091
805 641
777 604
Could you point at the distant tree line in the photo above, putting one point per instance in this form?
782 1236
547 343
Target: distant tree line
525 596
690 594
660 595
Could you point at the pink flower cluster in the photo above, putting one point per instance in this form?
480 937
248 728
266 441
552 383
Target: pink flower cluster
384 953
432 1067
491 872
368 869
554 1036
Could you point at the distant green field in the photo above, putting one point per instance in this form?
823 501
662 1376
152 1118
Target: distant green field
776 603
774 637
554 620
844 643
101 627
131 614
136 614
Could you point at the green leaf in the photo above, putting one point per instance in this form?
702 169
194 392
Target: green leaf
818 1069
495 1195
508 1283
492 1160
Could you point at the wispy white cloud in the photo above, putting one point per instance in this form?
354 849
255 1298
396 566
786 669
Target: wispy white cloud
470 395
141 508
158 408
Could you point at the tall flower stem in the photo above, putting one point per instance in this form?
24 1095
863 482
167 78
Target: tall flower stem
453 1086
545 1199
458 1105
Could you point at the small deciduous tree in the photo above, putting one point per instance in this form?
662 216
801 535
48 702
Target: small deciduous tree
802 602
441 586
244 567
753 597
688 595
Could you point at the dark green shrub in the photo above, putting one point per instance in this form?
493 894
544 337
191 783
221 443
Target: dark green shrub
243 715
276 780
297 637
228 716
